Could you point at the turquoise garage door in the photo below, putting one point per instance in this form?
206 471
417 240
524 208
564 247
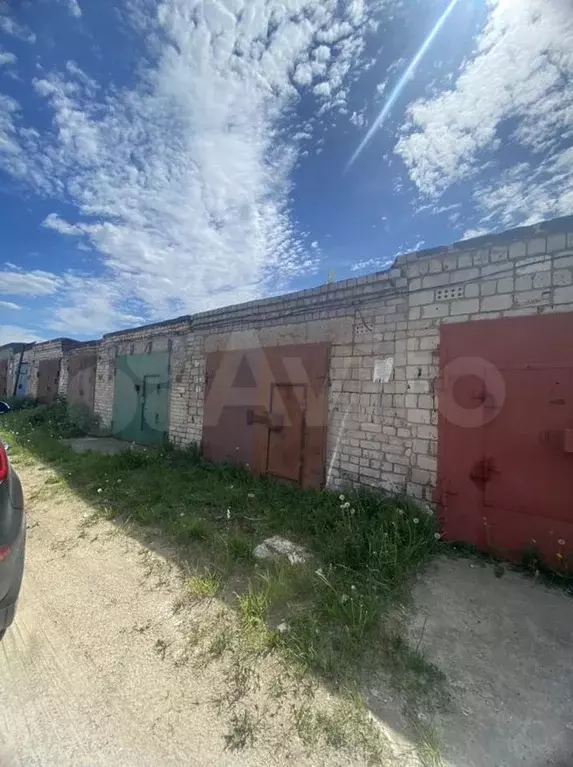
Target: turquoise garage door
141 400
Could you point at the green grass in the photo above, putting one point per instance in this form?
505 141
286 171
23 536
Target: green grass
204 586
365 549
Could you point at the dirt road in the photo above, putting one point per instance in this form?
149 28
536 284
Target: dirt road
95 670
84 677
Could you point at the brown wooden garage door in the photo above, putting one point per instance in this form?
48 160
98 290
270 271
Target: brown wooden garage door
266 409
505 453
81 379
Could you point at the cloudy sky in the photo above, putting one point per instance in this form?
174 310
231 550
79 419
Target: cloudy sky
159 158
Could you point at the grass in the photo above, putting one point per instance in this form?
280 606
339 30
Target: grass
333 610
203 586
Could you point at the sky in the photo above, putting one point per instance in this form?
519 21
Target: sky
165 158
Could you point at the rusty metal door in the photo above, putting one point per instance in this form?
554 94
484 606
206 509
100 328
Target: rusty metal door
266 409
48 380
285 450
506 435
4 378
81 379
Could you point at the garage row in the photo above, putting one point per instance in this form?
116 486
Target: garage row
446 377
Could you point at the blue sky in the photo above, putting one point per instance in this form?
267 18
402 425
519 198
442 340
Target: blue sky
164 158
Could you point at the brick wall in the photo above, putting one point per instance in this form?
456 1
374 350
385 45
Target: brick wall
379 433
385 434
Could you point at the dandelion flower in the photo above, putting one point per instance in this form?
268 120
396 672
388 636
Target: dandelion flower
99 490
353 587
341 497
437 536
561 542
401 512
415 520
345 505
228 513
250 495
352 511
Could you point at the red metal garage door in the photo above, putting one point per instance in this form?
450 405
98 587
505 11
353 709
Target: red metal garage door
266 409
505 454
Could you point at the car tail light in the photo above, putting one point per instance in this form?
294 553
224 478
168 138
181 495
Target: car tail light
3 462
4 552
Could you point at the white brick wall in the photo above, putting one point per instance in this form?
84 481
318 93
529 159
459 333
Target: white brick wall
378 434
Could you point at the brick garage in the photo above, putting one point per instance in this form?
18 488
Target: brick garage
53 351
379 434
385 434
172 336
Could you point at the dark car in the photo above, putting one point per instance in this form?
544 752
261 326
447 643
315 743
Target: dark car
12 540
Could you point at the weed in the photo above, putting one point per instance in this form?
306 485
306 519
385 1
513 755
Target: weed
242 732
239 548
192 529
254 606
220 643
240 679
346 726
203 586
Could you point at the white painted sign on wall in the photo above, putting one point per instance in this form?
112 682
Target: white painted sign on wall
383 370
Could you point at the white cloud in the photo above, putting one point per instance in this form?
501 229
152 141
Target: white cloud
322 53
15 282
10 306
53 221
322 89
14 334
303 74
6 58
12 28
182 184
522 70
469 234
74 8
